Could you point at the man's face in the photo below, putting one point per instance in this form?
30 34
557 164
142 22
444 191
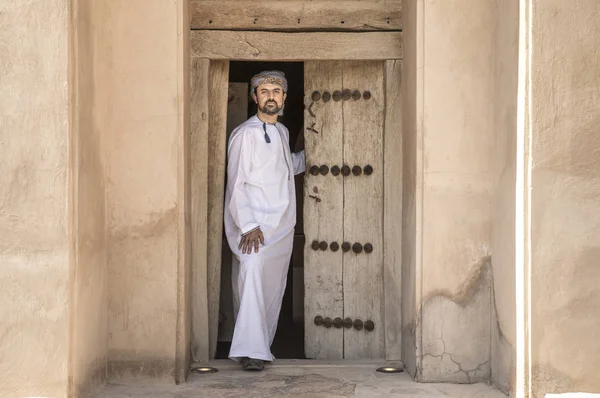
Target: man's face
270 98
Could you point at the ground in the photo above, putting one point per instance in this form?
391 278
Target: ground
292 378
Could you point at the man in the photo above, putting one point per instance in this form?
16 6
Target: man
260 216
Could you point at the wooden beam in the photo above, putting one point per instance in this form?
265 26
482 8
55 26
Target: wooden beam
199 207
218 77
296 15
184 299
392 211
276 46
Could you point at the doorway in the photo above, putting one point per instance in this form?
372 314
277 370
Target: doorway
212 52
338 107
289 338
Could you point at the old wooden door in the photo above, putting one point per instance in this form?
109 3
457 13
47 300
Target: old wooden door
343 209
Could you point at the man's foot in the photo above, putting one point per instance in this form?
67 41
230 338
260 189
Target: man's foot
252 364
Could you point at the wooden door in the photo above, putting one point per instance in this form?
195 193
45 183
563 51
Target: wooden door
343 209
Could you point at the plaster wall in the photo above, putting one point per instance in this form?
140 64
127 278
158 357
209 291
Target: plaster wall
142 118
89 333
565 210
503 322
453 283
34 198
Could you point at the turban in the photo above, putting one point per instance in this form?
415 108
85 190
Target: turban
269 77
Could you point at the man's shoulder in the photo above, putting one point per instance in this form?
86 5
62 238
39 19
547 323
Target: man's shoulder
249 126
252 122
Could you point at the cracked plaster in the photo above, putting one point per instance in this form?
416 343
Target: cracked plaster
449 147
459 353
502 352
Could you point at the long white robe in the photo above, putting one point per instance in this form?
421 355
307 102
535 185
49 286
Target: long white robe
260 193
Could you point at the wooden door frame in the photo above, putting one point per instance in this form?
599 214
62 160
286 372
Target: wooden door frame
211 51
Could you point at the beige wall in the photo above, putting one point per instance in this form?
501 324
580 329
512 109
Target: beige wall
454 133
89 338
503 322
112 290
34 200
565 214
142 118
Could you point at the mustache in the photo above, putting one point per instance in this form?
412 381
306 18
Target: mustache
270 110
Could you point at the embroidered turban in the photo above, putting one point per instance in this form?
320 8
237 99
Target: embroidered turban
269 77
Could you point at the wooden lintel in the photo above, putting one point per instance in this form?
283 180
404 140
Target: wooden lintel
298 15
279 46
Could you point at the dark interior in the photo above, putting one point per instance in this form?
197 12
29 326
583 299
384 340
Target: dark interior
289 339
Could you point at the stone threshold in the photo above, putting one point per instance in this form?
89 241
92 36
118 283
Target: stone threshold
307 363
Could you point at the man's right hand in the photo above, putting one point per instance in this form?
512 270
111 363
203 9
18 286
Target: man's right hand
251 240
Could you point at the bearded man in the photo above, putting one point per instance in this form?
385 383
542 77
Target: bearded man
260 216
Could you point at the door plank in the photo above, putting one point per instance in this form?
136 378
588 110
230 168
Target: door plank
363 208
392 210
237 113
281 46
199 207
349 15
218 82
323 211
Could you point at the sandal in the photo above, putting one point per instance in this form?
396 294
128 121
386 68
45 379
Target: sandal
252 364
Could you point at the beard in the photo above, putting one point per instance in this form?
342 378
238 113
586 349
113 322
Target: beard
270 108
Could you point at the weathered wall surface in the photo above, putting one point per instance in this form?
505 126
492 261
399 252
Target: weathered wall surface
453 322
34 245
142 113
89 333
565 205
503 326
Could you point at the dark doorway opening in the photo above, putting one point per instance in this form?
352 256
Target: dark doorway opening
289 338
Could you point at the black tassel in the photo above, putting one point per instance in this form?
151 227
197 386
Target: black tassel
267 138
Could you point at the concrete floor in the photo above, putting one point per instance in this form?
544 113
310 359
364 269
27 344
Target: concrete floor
294 378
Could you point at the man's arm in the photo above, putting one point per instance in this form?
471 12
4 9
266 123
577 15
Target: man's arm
299 162
239 165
